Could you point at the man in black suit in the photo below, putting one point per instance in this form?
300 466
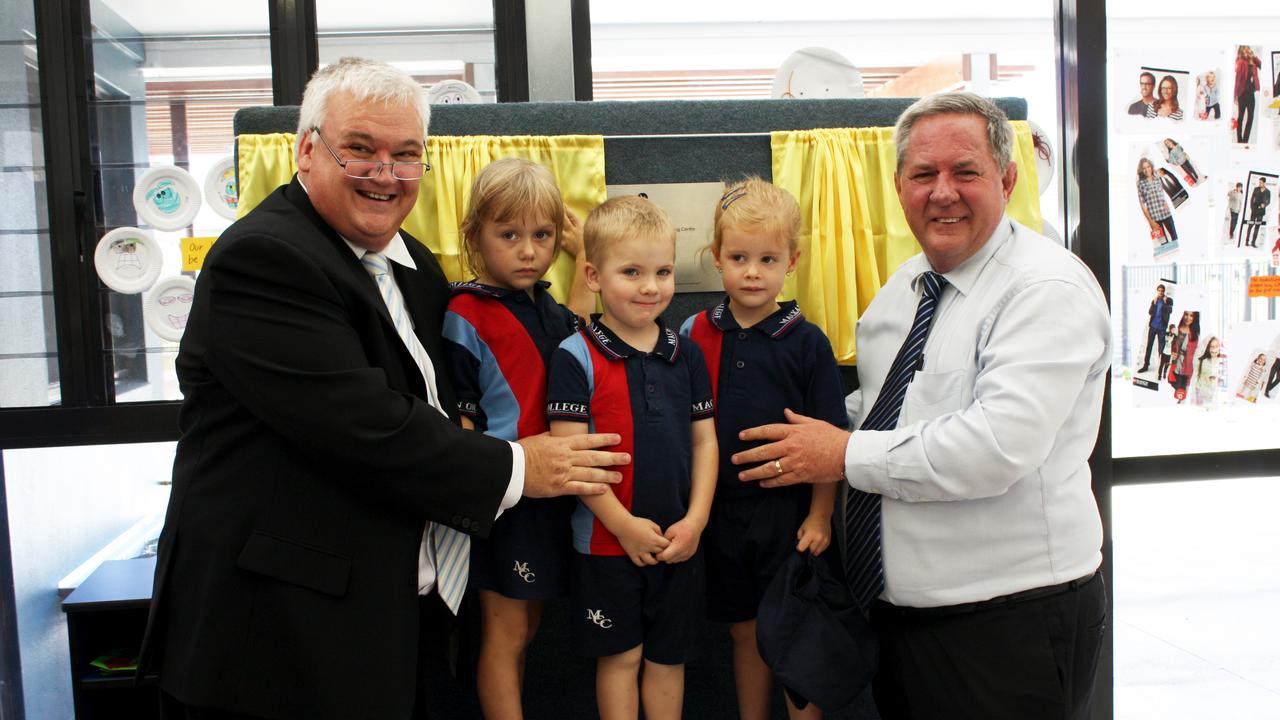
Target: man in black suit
317 465
1259 199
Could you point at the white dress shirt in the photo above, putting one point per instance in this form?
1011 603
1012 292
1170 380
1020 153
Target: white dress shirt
985 482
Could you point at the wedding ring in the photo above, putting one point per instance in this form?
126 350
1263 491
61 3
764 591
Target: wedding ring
777 465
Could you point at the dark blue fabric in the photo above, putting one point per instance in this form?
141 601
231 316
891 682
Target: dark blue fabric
814 637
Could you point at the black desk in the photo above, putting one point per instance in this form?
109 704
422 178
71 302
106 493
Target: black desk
108 612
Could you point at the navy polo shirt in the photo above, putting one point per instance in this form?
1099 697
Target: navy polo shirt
651 400
498 344
783 361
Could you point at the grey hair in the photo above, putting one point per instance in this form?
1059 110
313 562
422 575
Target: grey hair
999 131
365 80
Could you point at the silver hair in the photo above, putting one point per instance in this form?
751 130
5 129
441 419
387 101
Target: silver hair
365 80
999 131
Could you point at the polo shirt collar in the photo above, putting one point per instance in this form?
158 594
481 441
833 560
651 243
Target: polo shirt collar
668 347
476 287
779 323
964 277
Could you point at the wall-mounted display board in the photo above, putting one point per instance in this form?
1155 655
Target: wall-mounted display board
1195 236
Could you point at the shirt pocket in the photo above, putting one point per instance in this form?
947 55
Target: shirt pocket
932 395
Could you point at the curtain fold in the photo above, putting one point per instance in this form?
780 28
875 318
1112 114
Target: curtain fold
854 233
576 161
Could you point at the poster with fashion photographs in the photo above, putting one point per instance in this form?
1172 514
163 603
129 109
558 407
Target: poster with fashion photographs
1249 94
1161 93
1152 331
1258 215
1208 102
1168 204
1253 375
1190 328
1273 107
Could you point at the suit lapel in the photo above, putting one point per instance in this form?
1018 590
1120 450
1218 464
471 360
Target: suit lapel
367 288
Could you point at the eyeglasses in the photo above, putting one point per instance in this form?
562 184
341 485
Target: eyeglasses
368 169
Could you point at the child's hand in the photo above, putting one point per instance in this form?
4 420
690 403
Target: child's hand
641 538
814 534
684 535
571 233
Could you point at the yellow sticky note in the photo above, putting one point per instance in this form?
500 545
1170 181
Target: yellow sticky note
193 251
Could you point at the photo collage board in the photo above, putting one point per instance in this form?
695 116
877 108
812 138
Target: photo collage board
1195 171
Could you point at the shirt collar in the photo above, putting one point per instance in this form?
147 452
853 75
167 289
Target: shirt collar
475 287
965 276
395 250
778 323
667 348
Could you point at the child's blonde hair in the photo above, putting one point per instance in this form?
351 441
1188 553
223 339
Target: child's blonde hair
758 206
622 217
506 190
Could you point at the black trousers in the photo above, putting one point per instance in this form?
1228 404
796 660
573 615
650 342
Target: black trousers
1028 655
446 669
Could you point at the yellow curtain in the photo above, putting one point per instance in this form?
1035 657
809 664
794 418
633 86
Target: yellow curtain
854 233
265 163
576 161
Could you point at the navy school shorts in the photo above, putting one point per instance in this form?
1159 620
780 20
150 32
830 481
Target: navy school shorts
617 605
528 554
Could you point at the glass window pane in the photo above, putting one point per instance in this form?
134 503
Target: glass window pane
28 337
430 41
120 493
166 87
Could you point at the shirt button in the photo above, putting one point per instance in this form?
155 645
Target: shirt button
740 364
650 388
742 336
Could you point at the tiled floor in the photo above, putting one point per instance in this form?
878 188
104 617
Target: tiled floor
1197 600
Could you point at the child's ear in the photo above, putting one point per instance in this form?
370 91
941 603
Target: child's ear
795 257
593 277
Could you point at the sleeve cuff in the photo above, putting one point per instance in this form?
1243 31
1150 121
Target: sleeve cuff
866 462
515 487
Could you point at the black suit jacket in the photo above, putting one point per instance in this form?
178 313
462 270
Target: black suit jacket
308 466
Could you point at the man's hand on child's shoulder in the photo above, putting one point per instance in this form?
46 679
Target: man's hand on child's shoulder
642 540
684 535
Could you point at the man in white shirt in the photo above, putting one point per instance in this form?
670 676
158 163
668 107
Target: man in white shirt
991 538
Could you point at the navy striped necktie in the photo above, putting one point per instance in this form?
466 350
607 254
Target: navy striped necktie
863 561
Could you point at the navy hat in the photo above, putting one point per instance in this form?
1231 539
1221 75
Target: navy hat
814 637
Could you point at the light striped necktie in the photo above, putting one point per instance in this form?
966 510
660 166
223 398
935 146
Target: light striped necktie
863 560
452 548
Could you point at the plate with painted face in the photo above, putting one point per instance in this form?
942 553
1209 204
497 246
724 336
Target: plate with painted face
220 189
168 305
167 198
128 260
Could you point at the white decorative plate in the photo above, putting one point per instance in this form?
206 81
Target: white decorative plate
817 73
220 189
167 198
128 260
168 305
452 92
1044 165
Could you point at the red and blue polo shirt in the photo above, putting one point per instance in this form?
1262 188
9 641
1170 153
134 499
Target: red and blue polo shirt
498 344
650 399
